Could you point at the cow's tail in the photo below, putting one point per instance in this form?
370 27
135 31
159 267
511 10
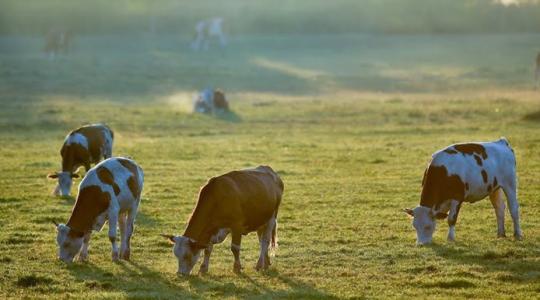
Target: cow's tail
274 242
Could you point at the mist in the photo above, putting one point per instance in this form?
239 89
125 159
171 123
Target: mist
265 17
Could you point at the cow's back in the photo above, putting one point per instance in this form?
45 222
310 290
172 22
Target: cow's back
96 135
255 194
467 172
115 182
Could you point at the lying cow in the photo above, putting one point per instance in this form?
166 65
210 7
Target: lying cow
467 173
211 101
240 202
82 147
57 40
109 191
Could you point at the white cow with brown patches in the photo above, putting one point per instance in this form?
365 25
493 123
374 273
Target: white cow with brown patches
467 173
109 191
82 147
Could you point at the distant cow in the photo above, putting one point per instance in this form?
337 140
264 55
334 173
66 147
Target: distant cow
82 147
211 101
205 30
240 202
57 40
537 71
467 173
109 191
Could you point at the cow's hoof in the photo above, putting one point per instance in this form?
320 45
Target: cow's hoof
83 258
260 265
501 235
518 237
125 254
203 270
237 268
115 256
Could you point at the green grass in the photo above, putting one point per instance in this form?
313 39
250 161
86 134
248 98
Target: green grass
350 149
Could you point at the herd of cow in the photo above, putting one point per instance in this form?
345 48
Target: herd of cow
240 202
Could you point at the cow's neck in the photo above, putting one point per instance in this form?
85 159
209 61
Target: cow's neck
67 160
199 227
91 202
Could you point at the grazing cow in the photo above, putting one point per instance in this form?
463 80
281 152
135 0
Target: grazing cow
211 101
240 202
82 147
537 71
109 191
57 40
467 173
205 30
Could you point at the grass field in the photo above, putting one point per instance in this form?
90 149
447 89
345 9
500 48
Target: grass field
349 122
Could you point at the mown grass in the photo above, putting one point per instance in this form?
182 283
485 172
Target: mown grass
350 160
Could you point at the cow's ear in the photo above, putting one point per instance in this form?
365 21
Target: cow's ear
169 237
409 211
52 175
441 215
55 224
75 175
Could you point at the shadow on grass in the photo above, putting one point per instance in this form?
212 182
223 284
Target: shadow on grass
229 116
534 116
517 262
137 281
295 289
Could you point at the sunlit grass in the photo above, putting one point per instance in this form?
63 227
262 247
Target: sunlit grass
351 159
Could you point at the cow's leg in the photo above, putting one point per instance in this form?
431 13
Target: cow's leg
498 204
513 206
235 249
113 222
130 227
452 218
84 251
122 222
206 261
265 236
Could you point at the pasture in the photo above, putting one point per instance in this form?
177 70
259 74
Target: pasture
348 121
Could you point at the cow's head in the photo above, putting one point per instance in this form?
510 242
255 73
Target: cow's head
69 242
424 222
65 180
186 250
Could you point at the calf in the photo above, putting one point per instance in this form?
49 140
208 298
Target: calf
466 173
109 191
82 147
240 202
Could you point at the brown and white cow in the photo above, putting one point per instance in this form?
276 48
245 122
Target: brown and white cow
467 173
57 40
109 191
82 147
211 101
240 202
